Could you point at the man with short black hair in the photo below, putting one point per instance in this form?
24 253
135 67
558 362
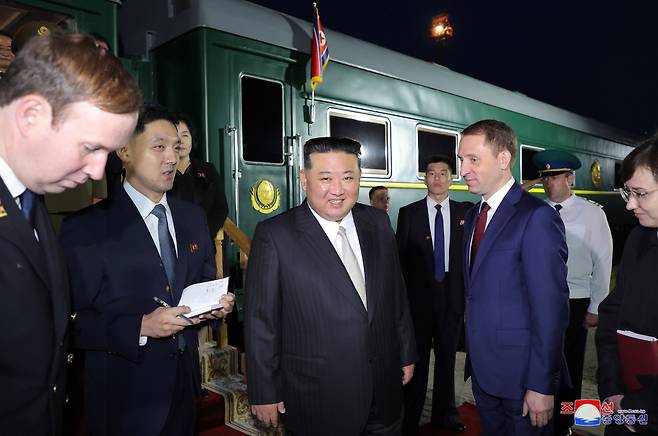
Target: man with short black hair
379 197
328 334
64 105
141 364
429 236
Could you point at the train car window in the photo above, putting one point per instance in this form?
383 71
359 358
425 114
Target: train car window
371 132
262 120
431 141
528 170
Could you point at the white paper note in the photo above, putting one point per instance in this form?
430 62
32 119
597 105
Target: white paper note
203 297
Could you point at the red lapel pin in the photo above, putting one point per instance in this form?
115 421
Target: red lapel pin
461 222
428 238
194 247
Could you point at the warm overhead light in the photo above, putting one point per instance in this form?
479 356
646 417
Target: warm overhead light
441 27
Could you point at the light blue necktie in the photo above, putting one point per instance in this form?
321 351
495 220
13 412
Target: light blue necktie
439 247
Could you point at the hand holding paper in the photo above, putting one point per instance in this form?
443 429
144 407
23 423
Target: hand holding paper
205 297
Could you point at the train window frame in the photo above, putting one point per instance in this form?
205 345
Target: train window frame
433 129
521 148
368 173
283 121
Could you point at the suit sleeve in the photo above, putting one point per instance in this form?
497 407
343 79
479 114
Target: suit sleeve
263 320
544 263
402 237
99 324
601 245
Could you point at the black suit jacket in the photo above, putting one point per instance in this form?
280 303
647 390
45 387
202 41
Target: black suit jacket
33 325
417 258
309 340
115 273
632 305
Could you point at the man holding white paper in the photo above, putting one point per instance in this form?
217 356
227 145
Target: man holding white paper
128 257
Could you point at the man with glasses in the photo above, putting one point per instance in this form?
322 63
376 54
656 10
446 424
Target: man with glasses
590 260
429 235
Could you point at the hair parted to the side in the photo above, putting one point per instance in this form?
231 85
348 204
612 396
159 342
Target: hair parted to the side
187 120
329 144
498 136
375 189
644 155
66 68
441 158
153 112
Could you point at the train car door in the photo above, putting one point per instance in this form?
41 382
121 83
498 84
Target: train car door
264 141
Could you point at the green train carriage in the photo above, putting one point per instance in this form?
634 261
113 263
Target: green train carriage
241 71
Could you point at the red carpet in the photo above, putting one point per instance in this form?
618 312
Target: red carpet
210 417
469 417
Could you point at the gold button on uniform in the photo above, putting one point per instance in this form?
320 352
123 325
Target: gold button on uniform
55 389
72 316
69 358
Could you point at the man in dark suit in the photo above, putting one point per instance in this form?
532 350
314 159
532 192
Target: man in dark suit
63 106
517 299
431 259
141 363
329 338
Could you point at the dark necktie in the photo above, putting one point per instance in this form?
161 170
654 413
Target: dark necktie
439 247
479 232
168 255
558 207
27 206
167 249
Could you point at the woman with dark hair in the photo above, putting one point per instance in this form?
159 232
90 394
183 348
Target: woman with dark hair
198 182
633 304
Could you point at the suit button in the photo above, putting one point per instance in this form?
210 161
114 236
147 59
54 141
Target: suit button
54 389
69 358
66 400
167 288
73 316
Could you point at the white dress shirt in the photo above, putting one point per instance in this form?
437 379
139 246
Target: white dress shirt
145 206
331 229
590 250
495 199
445 212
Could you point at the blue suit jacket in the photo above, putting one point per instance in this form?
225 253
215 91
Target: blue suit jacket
115 272
517 299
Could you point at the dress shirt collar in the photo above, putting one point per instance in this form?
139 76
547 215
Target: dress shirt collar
143 204
498 196
566 203
15 186
331 227
444 204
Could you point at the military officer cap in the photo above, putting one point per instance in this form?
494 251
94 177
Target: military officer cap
552 162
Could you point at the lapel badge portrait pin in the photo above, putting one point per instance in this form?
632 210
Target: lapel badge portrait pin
3 212
194 247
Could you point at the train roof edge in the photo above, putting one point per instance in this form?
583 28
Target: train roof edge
147 25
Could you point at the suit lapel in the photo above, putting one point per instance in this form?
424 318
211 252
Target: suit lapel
368 243
503 214
183 243
15 228
326 257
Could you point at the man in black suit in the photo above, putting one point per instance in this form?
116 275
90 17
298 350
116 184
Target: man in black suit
429 235
141 363
64 104
329 338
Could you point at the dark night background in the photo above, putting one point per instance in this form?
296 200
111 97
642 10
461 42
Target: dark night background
598 59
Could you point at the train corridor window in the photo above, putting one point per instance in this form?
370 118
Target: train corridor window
431 141
371 132
261 114
528 169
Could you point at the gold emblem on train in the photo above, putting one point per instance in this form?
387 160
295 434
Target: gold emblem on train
595 171
265 197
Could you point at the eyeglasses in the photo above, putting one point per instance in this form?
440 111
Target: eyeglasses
627 194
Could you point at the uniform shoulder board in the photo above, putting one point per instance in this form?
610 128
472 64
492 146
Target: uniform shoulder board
594 203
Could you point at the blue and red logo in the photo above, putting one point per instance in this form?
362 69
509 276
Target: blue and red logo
587 413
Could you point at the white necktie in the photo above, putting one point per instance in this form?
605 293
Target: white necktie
352 266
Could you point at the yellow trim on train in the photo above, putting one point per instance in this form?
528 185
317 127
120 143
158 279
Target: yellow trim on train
403 185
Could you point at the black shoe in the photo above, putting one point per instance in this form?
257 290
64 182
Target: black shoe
452 423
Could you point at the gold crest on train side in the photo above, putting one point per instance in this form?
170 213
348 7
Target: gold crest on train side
265 197
597 178
3 212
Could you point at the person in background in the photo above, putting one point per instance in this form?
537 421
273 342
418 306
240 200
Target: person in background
589 241
198 182
64 105
633 303
515 283
430 235
379 197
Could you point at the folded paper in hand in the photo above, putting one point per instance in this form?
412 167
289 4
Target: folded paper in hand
638 357
203 297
